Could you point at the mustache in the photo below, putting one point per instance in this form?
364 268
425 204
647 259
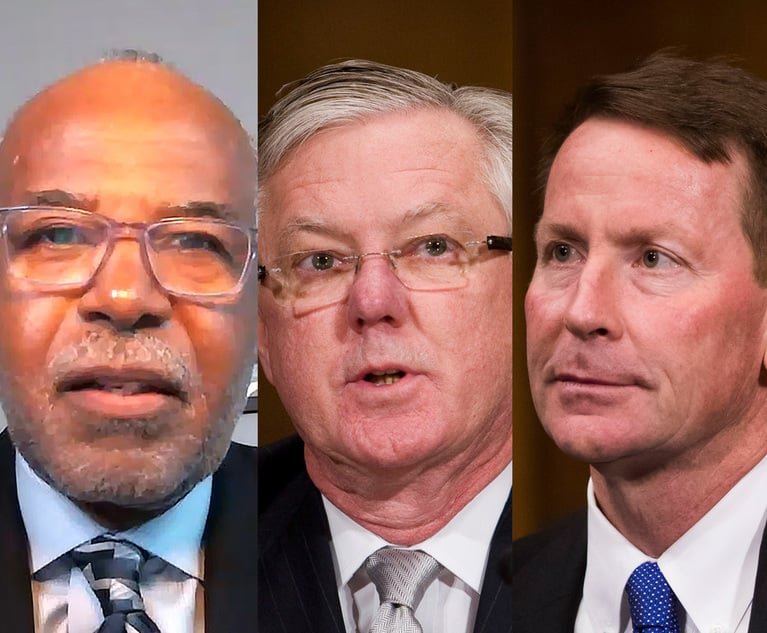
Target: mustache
138 351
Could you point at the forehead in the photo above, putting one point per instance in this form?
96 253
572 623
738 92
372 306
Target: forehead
624 174
137 160
370 175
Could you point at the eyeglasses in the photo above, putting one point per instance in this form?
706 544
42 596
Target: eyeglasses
59 248
316 278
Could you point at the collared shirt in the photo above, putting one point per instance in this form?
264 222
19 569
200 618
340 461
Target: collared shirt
63 600
449 604
711 568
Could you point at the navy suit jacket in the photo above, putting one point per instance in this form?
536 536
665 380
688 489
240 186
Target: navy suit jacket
297 583
230 547
547 579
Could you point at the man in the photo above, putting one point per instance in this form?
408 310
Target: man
647 346
385 201
127 345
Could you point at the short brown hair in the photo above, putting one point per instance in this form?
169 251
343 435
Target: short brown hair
711 107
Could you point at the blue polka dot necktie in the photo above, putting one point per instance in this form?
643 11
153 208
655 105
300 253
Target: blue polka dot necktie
401 577
651 601
112 568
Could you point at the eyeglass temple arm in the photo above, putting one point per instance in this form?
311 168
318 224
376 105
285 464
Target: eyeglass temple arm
498 243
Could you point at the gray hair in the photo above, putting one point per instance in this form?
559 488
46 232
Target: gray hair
133 55
353 90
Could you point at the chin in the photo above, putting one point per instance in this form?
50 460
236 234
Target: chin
142 478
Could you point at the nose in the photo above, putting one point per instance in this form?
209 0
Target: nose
377 295
594 309
124 293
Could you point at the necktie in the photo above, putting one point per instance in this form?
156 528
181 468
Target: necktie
112 567
651 601
401 577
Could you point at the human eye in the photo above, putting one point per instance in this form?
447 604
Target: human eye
432 247
195 240
654 258
317 261
559 252
60 234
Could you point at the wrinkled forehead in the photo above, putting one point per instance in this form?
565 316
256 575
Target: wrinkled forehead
126 155
382 171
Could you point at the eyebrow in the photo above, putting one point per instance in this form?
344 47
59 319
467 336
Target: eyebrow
192 209
59 198
201 209
623 236
320 226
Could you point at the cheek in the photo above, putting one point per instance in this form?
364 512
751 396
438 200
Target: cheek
30 327
224 344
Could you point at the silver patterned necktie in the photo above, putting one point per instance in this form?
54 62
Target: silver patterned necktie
401 577
112 568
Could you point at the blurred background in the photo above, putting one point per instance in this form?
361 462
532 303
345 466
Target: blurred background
557 47
213 43
454 40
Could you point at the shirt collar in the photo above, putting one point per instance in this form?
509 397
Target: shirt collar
175 536
461 546
722 545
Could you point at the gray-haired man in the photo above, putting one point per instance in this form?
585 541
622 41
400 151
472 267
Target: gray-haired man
385 215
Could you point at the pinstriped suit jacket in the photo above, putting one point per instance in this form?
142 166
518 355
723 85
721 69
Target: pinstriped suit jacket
230 548
297 584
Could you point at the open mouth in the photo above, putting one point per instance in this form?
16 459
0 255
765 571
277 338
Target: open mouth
388 377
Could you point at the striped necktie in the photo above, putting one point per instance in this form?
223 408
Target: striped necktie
401 577
112 568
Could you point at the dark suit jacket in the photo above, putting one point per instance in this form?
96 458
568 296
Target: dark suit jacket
230 547
297 584
547 580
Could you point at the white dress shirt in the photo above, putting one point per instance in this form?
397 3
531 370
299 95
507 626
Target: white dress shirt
711 568
63 600
449 604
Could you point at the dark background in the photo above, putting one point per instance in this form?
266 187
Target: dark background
557 47
454 40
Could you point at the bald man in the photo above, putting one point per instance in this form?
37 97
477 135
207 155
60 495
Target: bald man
128 338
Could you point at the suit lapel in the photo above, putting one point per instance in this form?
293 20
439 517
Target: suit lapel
15 583
231 546
297 584
494 610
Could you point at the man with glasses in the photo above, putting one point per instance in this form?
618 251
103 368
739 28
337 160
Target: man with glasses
647 348
385 325
127 282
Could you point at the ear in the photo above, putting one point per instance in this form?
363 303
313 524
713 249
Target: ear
264 359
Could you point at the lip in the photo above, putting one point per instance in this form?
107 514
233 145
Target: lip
360 376
588 380
122 393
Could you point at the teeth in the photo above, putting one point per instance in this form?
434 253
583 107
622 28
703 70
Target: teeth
386 378
125 388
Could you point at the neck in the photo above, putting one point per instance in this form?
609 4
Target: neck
408 505
654 506
118 518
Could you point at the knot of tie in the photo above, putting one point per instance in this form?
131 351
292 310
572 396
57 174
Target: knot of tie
651 601
112 568
401 577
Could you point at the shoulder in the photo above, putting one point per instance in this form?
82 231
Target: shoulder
547 577
283 486
565 540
